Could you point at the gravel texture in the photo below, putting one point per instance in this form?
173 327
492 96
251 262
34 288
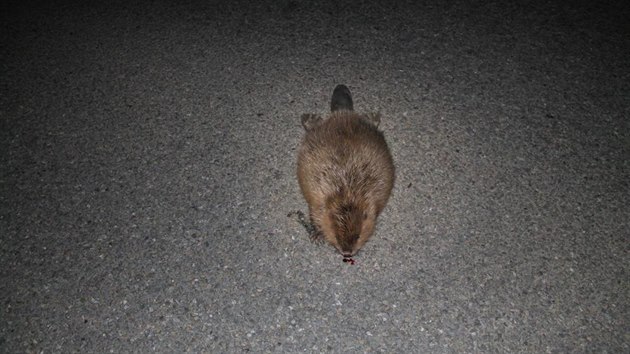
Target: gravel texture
148 152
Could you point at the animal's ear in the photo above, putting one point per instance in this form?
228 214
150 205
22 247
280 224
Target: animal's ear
310 121
372 118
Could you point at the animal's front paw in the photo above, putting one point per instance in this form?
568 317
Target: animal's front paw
315 235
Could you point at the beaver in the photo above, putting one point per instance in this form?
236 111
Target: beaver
346 173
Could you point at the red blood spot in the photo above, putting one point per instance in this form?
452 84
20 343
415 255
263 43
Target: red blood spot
348 260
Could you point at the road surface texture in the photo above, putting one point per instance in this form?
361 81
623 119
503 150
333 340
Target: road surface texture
148 156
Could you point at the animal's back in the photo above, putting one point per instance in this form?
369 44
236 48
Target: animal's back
346 152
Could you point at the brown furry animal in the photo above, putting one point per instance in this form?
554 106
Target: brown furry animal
346 173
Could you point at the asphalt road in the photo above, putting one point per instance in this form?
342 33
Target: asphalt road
147 168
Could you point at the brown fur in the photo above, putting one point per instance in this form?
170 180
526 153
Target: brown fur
346 173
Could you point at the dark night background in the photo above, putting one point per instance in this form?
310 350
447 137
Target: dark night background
147 167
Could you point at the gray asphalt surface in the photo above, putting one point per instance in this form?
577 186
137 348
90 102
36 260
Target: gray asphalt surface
148 153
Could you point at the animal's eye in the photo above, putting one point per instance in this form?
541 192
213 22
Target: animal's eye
365 215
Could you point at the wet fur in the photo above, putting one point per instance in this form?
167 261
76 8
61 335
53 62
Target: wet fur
346 173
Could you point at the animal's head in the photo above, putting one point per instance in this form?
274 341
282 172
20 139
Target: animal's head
347 225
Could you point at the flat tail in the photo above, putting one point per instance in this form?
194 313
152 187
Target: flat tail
341 99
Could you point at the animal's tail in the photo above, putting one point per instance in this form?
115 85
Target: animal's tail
341 99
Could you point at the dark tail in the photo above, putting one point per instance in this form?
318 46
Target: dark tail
341 99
